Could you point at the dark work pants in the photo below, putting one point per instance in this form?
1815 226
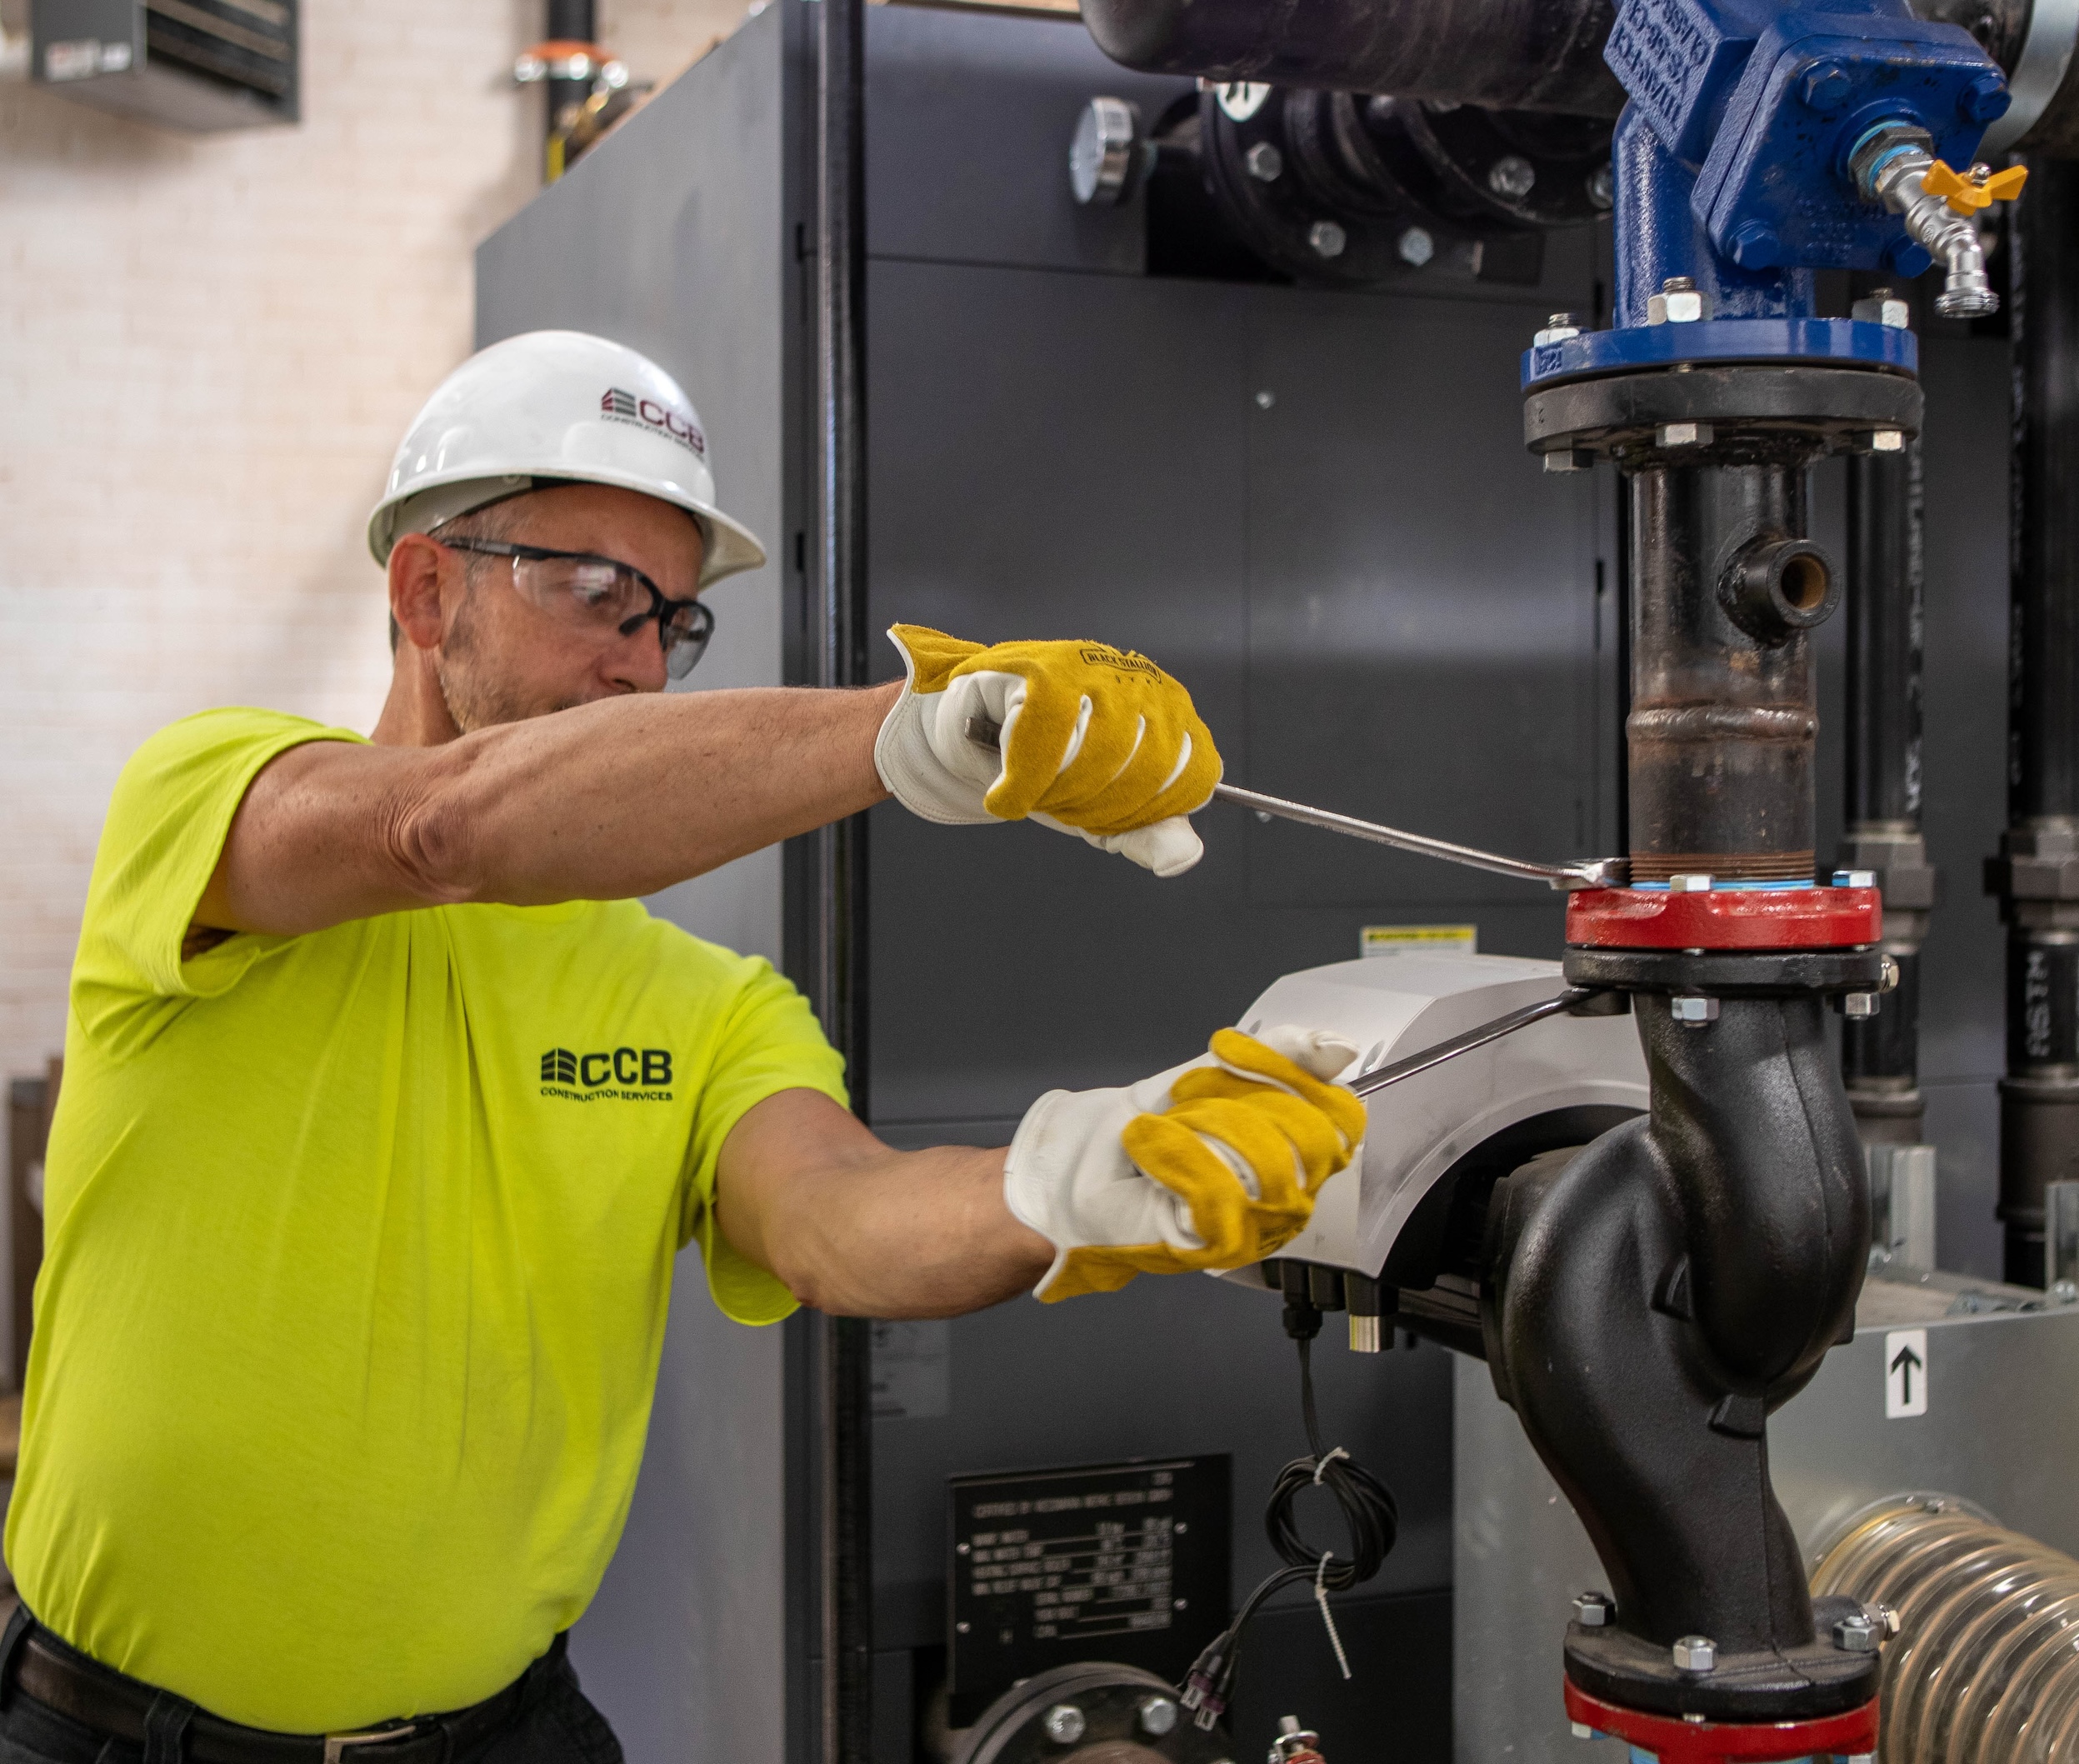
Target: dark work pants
555 1724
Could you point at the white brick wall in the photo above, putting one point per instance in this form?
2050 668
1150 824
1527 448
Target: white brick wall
209 347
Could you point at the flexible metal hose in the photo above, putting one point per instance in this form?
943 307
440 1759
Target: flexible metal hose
1985 1667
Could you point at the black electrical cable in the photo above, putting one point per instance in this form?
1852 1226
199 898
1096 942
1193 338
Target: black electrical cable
1369 1512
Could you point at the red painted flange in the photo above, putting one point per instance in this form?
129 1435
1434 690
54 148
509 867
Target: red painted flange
1675 1741
1724 918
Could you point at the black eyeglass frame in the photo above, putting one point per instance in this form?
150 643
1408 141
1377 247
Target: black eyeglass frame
662 607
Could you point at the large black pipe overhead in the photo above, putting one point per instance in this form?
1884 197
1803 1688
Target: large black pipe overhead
1504 54
1880 1055
2036 873
844 1408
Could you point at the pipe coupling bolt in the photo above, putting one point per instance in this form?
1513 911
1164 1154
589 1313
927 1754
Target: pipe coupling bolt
1775 589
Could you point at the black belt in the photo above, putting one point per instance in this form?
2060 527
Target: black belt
122 1708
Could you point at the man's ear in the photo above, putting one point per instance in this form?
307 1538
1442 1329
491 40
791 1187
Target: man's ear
415 590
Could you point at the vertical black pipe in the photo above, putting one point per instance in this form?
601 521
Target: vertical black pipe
2036 873
569 21
1623 839
1880 1056
845 1403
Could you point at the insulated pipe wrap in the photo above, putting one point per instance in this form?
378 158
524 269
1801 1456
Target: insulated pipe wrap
1505 54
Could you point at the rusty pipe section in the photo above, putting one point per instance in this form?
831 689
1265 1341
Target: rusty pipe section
1724 722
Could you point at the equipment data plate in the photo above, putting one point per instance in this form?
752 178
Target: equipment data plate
1097 1561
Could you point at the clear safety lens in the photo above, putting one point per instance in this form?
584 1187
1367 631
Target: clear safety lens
593 594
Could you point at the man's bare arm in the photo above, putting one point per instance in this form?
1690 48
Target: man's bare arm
853 1227
602 802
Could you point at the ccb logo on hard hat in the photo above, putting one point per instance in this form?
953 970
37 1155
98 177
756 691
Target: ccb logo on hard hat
617 406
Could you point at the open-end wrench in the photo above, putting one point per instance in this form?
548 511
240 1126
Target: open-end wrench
1586 872
1576 1002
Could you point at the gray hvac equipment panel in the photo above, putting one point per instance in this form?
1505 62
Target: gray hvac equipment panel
1381 605
2001 1429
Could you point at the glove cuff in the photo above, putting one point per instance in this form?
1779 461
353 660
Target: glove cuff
913 774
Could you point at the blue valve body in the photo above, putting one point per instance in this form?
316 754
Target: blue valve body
1732 164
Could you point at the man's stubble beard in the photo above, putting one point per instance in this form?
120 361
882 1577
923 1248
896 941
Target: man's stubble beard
473 701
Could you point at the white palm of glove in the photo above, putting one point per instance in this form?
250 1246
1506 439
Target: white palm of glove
1068 1177
926 757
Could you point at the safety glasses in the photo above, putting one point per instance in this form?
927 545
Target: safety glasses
588 593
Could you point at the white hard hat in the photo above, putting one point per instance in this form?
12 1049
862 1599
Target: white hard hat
557 407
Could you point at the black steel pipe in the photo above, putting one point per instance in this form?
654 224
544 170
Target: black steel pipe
2036 873
1880 1055
569 21
845 1407
1647 1305
1503 54
1724 721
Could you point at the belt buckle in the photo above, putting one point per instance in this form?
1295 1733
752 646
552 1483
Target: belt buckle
338 1745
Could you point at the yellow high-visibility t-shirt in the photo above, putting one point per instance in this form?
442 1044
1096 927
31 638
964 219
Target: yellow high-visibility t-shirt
359 1248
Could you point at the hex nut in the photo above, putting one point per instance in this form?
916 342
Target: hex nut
1856 1635
1887 441
1594 1611
1157 1715
1328 238
1685 434
1602 188
1696 1654
1064 1724
1512 176
1859 1004
1416 247
1266 164
1882 307
1695 1012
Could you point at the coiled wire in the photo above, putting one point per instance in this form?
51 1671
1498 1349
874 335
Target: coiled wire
1984 1667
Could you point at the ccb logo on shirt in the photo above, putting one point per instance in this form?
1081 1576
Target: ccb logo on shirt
637 1074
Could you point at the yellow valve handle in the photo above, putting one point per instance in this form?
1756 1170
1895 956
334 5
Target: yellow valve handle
1967 192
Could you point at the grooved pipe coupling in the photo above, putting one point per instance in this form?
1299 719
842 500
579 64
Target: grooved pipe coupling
1890 166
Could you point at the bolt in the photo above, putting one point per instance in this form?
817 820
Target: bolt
1416 247
1685 434
1594 1611
1512 176
1859 1004
1887 441
1602 188
1826 86
1679 302
1695 1013
1985 99
1558 328
1264 163
1884 1616
1696 1654
1882 307
1755 245
1157 1715
1856 1635
1064 1724
1328 238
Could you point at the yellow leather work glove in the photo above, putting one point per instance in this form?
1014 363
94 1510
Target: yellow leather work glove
1092 740
1214 1165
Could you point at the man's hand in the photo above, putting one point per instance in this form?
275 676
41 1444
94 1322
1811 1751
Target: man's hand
1093 740
1214 1165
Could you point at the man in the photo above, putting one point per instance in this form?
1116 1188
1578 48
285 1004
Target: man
388 1107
